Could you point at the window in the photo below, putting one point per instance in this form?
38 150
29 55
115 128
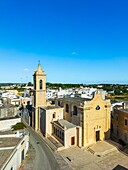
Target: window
117 118
125 137
125 122
62 136
67 108
41 85
54 115
56 132
117 132
75 110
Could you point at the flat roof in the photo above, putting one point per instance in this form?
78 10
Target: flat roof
123 110
50 107
7 106
75 99
117 106
7 132
7 118
4 155
7 142
64 123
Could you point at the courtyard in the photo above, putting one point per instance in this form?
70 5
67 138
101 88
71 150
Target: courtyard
100 156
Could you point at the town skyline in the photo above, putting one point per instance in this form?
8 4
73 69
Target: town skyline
76 42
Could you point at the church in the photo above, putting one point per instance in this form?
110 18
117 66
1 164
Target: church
72 120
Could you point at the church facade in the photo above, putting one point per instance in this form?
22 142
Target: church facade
72 121
92 115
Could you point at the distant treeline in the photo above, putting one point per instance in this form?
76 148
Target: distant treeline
8 84
63 86
116 88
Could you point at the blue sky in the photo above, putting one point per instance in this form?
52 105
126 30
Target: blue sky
76 41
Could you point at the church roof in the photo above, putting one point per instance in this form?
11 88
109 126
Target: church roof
77 100
65 124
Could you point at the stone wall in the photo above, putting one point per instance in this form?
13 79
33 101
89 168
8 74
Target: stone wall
8 111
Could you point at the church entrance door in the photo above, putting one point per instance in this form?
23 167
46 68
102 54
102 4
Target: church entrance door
97 135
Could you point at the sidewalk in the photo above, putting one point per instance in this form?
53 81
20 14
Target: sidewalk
28 162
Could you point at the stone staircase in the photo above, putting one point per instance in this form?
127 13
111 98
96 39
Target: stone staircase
91 151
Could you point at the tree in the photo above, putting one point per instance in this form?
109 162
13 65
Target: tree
30 84
18 126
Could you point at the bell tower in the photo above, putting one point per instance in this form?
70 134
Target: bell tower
39 95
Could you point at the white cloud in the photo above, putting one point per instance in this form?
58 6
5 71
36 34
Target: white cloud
26 69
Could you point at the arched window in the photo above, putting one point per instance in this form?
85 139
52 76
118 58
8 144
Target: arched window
67 108
75 110
41 86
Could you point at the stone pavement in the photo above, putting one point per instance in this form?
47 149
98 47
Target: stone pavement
102 148
78 159
84 160
81 159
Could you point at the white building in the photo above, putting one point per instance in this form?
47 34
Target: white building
50 93
7 123
13 149
8 94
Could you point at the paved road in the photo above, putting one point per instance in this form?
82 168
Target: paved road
44 158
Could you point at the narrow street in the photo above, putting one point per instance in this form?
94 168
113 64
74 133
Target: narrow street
43 158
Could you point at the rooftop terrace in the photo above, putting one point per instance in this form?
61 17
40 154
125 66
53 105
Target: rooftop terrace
4 154
9 141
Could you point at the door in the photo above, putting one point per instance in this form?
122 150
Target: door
72 140
97 136
22 155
